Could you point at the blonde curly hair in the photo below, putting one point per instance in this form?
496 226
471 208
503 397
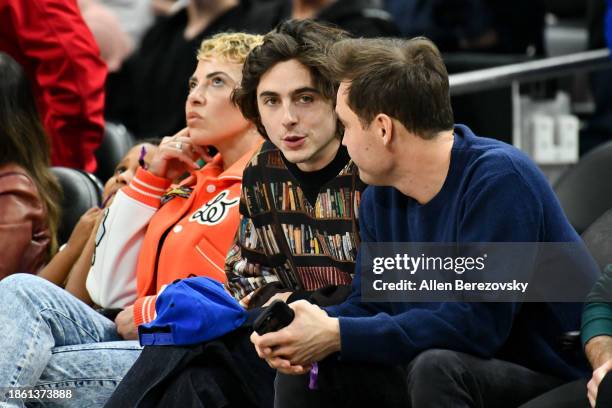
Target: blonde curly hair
233 47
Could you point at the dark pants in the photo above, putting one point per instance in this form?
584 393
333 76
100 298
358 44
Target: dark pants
222 373
571 395
574 395
437 378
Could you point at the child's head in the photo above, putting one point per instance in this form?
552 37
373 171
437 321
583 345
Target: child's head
126 169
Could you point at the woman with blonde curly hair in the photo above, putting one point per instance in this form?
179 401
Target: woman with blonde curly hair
152 234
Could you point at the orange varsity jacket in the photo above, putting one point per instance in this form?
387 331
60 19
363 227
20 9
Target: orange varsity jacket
189 233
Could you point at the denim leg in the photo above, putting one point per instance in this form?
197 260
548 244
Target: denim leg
36 316
91 371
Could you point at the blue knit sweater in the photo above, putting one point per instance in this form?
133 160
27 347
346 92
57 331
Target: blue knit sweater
493 193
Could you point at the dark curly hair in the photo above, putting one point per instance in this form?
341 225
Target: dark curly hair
306 41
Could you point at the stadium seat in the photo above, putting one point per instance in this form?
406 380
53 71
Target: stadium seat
585 190
82 191
116 142
598 239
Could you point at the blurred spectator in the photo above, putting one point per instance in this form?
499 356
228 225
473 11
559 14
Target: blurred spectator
114 43
57 51
494 26
362 18
135 16
167 7
148 94
29 213
596 10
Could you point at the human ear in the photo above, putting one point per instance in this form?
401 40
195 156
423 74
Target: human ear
384 125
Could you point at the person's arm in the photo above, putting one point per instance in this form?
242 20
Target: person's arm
114 43
69 77
597 320
144 309
77 278
58 269
111 282
247 265
20 210
244 274
599 350
596 331
126 327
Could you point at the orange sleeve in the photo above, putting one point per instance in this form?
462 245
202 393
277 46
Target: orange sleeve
147 188
144 310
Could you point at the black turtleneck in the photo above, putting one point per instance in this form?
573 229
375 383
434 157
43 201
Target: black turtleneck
311 181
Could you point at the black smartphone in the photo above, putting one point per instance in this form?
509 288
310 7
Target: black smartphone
273 318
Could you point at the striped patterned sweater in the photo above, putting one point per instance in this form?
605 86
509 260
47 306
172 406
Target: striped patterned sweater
283 236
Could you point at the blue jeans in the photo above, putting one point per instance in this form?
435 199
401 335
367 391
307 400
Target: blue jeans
51 340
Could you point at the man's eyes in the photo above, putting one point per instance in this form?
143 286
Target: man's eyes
301 99
306 99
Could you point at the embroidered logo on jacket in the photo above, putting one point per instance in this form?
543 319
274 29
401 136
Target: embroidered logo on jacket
215 210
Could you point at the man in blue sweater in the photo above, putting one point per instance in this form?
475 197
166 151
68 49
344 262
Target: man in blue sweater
432 182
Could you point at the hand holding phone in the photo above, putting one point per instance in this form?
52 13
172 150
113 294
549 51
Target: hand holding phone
273 318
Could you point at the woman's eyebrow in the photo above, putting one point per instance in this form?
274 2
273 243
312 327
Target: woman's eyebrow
212 74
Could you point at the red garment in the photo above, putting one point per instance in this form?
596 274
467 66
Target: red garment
56 49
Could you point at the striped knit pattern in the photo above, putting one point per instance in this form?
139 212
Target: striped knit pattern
282 237
147 188
144 309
